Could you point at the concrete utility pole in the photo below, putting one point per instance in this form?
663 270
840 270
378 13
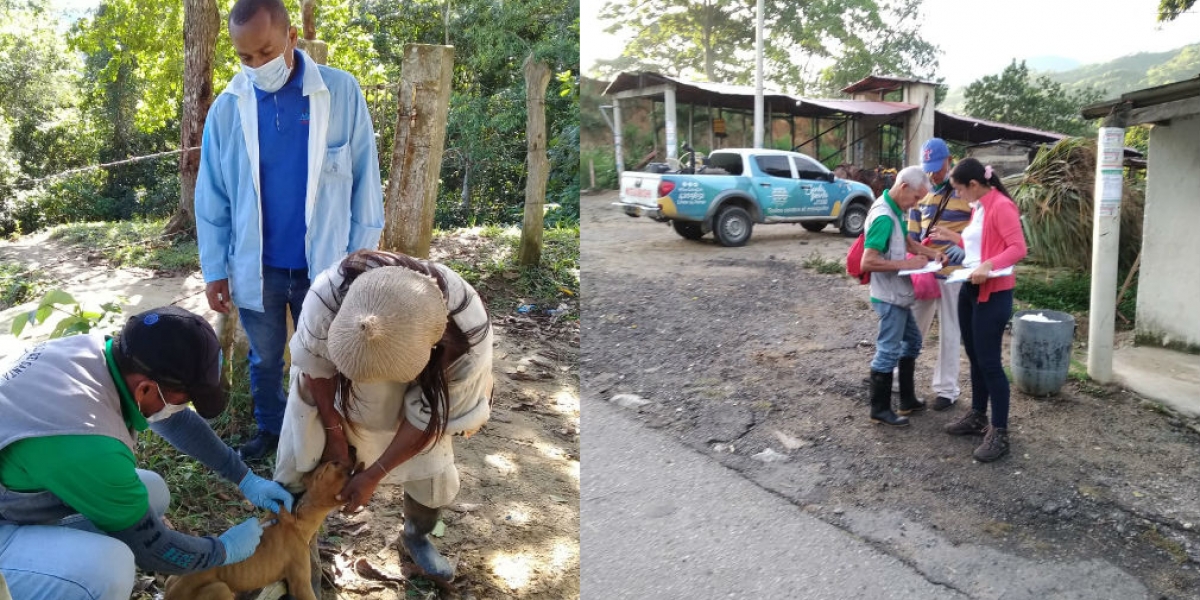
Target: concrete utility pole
758 79
425 77
1106 237
537 76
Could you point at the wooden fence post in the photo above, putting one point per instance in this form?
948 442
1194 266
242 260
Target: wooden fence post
425 80
537 76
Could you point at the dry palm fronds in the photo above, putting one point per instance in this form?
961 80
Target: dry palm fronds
1055 197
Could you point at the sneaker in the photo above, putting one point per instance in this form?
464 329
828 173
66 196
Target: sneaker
972 422
942 403
995 445
261 446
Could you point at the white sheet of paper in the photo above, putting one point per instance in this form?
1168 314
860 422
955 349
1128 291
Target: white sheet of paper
965 274
932 267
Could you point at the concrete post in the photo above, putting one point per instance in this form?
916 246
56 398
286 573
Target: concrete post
1106 237
669 120
758 78
617 136
426 74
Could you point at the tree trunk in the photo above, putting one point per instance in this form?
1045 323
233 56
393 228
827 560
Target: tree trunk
537 76
426 74
201 24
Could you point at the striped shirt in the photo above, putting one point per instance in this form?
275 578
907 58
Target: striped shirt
955 217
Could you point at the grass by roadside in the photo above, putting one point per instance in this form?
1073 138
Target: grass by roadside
491 267
133 244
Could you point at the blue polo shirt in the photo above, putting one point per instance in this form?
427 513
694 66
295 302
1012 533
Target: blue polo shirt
283 169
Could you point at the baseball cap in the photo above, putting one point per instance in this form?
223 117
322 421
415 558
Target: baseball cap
934 154
179 349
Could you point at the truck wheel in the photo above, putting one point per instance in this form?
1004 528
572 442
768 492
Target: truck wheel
854 220
733 226
813 226
688 230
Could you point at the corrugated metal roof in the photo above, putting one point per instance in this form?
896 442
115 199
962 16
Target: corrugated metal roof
861 107
872 83
967 129
742 97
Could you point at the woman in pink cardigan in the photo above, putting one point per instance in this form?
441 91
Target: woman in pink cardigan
993 242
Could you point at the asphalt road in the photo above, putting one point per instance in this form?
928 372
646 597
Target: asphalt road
660 521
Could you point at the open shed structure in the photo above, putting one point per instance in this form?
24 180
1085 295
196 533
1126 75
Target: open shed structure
883 123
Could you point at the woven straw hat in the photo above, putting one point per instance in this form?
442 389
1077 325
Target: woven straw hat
387 324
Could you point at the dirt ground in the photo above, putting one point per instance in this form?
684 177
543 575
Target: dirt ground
513 531
743 350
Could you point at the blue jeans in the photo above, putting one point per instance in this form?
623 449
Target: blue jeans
899 336
982 326
267 333
72 560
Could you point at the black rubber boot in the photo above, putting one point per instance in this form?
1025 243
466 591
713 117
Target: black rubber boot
908 392
419 521
881 400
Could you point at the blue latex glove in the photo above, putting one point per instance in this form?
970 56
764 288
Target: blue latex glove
265 493
241 540
955 253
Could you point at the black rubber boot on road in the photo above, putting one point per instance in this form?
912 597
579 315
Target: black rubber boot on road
881 401
908 389
971 423
419 521
994 446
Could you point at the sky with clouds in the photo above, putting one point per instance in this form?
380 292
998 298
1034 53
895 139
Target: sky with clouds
980 38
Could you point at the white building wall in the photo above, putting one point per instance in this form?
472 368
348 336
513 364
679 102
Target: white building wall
1168 303
919 125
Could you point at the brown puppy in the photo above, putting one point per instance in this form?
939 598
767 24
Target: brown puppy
283 552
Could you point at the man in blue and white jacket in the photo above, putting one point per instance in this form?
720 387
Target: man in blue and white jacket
288 185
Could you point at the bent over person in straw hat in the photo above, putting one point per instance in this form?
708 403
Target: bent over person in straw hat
392 355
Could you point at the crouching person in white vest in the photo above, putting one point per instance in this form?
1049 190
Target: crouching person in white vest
393 356
76 514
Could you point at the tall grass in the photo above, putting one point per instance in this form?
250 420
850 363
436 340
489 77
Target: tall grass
1054 196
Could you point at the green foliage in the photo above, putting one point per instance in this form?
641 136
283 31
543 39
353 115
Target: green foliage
1067 291
1169 10
604 163
824 266
17 284
712 38
133 244
1014 97
1054 196
493 269
78 318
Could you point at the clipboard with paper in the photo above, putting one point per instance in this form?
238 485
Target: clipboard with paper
965 274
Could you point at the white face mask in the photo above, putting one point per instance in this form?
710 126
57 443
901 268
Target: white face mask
271 76
168 409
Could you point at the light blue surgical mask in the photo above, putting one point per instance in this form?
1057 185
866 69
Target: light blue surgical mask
168 409
271 76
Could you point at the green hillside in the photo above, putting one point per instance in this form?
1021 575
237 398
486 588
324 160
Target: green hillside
1116 77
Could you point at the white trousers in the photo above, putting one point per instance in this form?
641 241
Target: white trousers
945 371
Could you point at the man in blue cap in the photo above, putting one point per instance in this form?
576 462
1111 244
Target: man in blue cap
943 208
